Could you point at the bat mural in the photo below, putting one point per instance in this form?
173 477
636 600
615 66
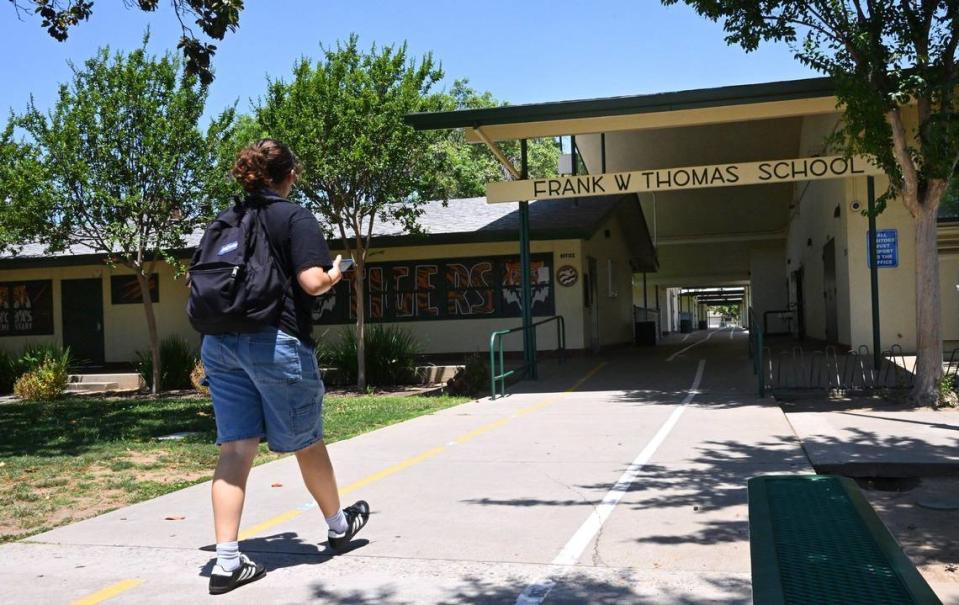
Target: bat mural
26 308
461 288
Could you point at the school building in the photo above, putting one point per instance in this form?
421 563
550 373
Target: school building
674 201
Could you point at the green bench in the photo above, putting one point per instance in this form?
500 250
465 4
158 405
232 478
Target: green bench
815 540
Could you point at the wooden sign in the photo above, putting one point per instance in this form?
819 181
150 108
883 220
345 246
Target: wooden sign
676 179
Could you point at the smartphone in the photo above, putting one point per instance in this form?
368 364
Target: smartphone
346 264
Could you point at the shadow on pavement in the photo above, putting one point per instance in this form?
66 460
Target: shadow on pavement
711 479
283 550
619 588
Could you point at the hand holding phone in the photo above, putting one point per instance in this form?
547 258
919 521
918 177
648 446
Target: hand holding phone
343 264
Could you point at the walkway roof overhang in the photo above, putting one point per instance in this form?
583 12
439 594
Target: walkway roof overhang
684 108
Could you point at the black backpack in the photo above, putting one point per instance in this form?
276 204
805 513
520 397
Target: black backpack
235 282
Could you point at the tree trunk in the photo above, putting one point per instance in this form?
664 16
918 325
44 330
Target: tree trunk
151 327
928 309
359 287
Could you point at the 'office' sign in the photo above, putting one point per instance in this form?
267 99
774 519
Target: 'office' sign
887 248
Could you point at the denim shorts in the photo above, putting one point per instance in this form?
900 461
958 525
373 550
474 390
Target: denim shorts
264 385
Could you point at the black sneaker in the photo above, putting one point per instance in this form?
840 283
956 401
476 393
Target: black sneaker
247 572
356 517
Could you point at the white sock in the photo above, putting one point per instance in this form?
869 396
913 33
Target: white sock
228 556
337 523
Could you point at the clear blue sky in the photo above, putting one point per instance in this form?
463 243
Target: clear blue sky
522 51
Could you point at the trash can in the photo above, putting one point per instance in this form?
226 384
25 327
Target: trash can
702 324
646 332
685 326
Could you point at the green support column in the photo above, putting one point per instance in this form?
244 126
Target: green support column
873 270
529 337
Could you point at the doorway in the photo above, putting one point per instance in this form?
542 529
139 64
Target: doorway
82 304
829 290
591 296
800 298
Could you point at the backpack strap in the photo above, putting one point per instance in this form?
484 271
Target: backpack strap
260 223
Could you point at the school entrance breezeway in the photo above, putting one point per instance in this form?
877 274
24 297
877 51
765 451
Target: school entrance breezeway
796 249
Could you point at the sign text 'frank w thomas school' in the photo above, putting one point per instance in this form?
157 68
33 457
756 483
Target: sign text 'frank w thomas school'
672 179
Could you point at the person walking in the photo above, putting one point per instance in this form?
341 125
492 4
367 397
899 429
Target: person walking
253 281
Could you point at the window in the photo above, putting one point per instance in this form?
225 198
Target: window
125 289
26 308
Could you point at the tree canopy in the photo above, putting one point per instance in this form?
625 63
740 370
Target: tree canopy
471 167
882 55
343 117
118 165
214 18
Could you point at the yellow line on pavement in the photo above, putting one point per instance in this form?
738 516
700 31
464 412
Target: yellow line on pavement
109 592
414 460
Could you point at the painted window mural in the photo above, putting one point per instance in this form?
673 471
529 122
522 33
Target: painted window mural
26 308
461 288
125 290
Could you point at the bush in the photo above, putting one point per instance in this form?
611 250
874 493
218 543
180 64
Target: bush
177 361
390 356
473 379
196 378
949 391
45 382
30 359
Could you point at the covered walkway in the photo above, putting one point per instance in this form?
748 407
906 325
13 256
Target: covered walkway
618 479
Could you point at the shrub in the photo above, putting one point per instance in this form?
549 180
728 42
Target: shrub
949 391
196 378
473 379
390 355
45 382
34 356
30 359
177 362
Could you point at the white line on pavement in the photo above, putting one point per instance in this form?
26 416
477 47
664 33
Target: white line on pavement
683 350
538 591
685 338
732 330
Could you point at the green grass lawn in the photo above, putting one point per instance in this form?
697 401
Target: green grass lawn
75 458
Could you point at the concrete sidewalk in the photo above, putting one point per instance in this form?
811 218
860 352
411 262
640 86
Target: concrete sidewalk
478 503
872 438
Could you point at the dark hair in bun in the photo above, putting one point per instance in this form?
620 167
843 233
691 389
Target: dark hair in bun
263 164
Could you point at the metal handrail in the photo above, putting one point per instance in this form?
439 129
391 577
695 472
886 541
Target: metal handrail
496 338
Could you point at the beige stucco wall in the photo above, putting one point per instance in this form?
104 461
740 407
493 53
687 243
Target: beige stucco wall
813 217
614 292
766 281
124 326
812 225
897 286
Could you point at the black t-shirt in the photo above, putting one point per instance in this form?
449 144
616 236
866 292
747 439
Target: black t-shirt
299 243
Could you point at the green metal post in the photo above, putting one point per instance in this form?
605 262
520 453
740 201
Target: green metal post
529 337
873 270
760 364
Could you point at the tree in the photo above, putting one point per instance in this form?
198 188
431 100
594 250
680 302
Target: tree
215 18
118 165
894 68
471 167
343 117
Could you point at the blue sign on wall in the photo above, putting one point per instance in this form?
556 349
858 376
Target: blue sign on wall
887 248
